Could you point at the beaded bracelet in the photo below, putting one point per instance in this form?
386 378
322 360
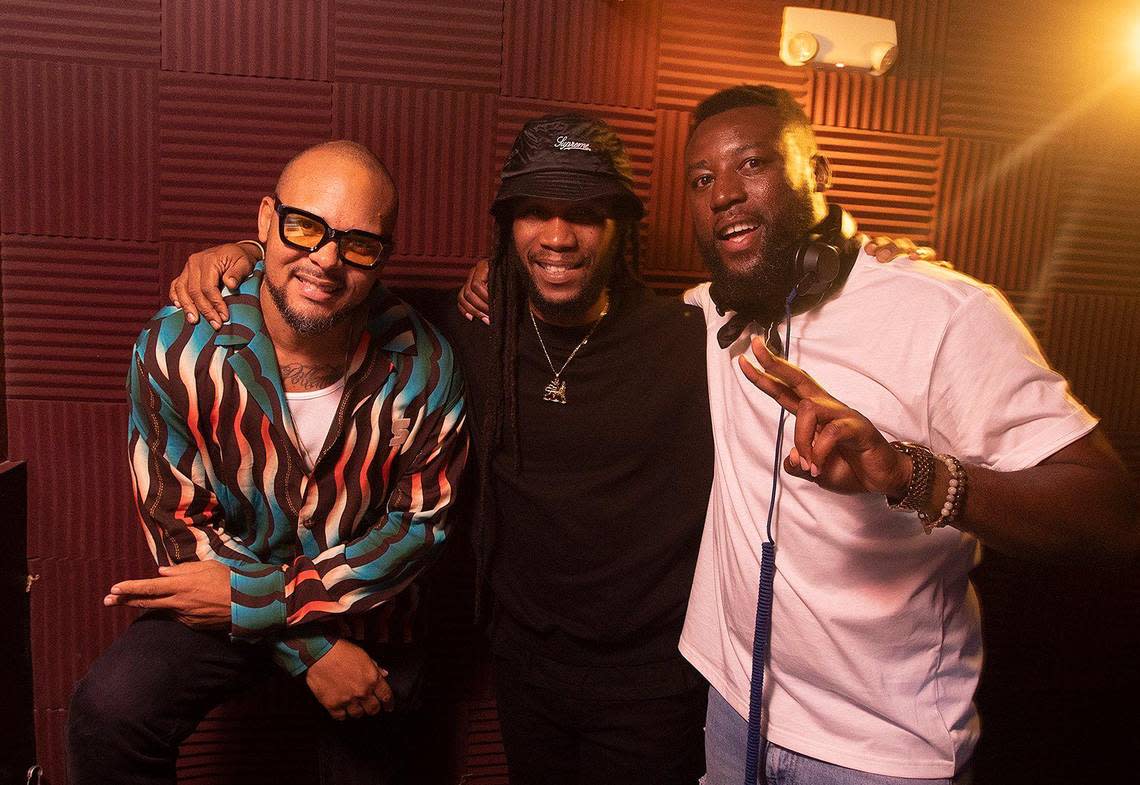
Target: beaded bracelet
917 492
955 496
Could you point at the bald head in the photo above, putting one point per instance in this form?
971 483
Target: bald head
342 170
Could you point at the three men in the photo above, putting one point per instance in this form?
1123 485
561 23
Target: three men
874 642
293 472
926 392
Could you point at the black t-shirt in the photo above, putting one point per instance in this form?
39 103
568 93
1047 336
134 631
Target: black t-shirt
597 530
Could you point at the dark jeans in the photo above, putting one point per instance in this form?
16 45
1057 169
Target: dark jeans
149 690
565 736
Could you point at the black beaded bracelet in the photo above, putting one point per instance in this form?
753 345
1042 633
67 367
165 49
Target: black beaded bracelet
921 478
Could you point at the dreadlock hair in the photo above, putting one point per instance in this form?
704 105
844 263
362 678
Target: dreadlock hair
508 307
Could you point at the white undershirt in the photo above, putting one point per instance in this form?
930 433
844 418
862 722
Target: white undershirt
313 414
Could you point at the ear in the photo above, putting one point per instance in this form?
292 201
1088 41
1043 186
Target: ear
821 171
265 215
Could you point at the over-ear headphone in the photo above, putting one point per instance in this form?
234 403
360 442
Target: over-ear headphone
816 261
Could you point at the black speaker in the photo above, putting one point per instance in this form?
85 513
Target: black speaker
17 722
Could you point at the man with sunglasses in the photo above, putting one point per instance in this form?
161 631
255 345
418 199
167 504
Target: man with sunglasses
292 472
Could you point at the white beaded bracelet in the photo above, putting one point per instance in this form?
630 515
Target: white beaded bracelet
955 495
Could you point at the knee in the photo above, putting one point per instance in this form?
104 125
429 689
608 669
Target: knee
104 705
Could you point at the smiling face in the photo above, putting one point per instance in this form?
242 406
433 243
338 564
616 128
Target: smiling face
567 251
753 189
312 292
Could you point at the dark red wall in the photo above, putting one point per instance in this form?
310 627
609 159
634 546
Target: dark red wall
133 131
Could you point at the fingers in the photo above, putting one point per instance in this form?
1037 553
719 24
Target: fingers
887 249
383 693
181 299
145 587
794 466
371 705
239 269
473 297
785 372
204 291
766 384
479 287
832 434
469 308
354 710
144 601
807 415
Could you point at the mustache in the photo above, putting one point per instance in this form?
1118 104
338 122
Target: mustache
316 273
574 260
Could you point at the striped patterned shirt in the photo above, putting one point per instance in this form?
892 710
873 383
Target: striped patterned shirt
314 555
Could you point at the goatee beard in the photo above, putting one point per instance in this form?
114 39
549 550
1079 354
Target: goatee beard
576 308
302 324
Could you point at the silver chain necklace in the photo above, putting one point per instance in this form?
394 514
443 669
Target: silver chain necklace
555 392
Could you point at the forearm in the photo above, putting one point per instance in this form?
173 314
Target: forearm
1048 512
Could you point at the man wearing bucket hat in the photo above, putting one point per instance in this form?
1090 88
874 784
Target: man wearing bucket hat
595 461
595 456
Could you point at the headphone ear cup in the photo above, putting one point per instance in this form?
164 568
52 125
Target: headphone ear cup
816 266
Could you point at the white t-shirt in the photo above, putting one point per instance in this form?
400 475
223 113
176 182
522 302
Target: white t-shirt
312 413
876 644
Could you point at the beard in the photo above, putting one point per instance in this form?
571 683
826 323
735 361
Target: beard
762 282
303 324
575 308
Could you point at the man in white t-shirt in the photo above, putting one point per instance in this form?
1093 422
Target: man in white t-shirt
926 393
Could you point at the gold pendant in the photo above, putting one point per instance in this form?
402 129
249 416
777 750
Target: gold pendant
555 392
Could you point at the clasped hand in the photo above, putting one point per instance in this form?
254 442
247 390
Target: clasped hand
348 683
835 447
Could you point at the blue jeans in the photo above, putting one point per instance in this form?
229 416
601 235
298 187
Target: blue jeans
726 733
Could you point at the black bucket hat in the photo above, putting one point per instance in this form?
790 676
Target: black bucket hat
571 157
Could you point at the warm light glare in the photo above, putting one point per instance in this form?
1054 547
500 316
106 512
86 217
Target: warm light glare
1135 46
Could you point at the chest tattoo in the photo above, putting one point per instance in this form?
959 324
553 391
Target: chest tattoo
298 377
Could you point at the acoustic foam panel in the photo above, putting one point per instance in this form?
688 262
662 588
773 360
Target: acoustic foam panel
446 45
281 38
671 251
437 145
78 158
584 51
1094 340
997 212
124 33
80 504
1005 72
889 182
707 46
218 155
72 309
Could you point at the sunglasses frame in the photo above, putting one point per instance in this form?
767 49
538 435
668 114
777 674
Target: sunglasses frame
330 235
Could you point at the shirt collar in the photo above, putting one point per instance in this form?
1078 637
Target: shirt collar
389 321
